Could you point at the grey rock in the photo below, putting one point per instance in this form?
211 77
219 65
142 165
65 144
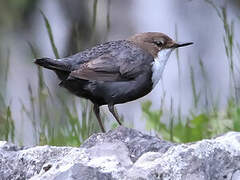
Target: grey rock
136 142
125 154
216 159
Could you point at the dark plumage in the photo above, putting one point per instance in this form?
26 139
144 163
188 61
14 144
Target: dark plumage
110 73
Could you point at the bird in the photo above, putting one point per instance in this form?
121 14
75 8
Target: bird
115 72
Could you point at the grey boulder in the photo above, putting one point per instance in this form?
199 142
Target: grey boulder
125 154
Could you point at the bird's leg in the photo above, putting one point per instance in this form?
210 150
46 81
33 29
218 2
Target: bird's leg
111 109
96 111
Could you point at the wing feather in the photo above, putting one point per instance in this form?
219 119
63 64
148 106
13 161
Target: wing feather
116 65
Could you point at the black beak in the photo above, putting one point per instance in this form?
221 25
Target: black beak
177 45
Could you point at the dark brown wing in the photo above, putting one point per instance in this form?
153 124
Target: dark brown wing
102 68
117 65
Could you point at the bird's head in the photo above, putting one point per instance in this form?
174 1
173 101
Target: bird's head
157 44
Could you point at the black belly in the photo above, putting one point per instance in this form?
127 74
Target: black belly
102 93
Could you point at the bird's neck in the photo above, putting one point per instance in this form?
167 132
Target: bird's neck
159 64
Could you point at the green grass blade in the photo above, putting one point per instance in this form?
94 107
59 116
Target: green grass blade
176 39
7 65
50 35
196 95
171 120
94 14
108 15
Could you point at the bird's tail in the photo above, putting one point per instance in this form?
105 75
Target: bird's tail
52 64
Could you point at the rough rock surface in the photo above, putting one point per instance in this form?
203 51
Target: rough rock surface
125 154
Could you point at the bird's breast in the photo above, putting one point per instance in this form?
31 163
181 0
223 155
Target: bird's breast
159 64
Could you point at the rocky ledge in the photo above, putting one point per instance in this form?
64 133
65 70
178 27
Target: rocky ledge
125 154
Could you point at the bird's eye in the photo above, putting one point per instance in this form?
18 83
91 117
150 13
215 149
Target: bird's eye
158 43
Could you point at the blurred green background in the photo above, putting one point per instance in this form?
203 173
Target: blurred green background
198 96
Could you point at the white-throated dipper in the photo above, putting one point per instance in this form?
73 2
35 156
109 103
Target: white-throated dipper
115 72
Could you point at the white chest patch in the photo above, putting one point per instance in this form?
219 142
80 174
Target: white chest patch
159 64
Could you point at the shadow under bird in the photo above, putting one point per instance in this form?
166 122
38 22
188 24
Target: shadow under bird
115 72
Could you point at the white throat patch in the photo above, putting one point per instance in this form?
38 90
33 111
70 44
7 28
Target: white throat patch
159 64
